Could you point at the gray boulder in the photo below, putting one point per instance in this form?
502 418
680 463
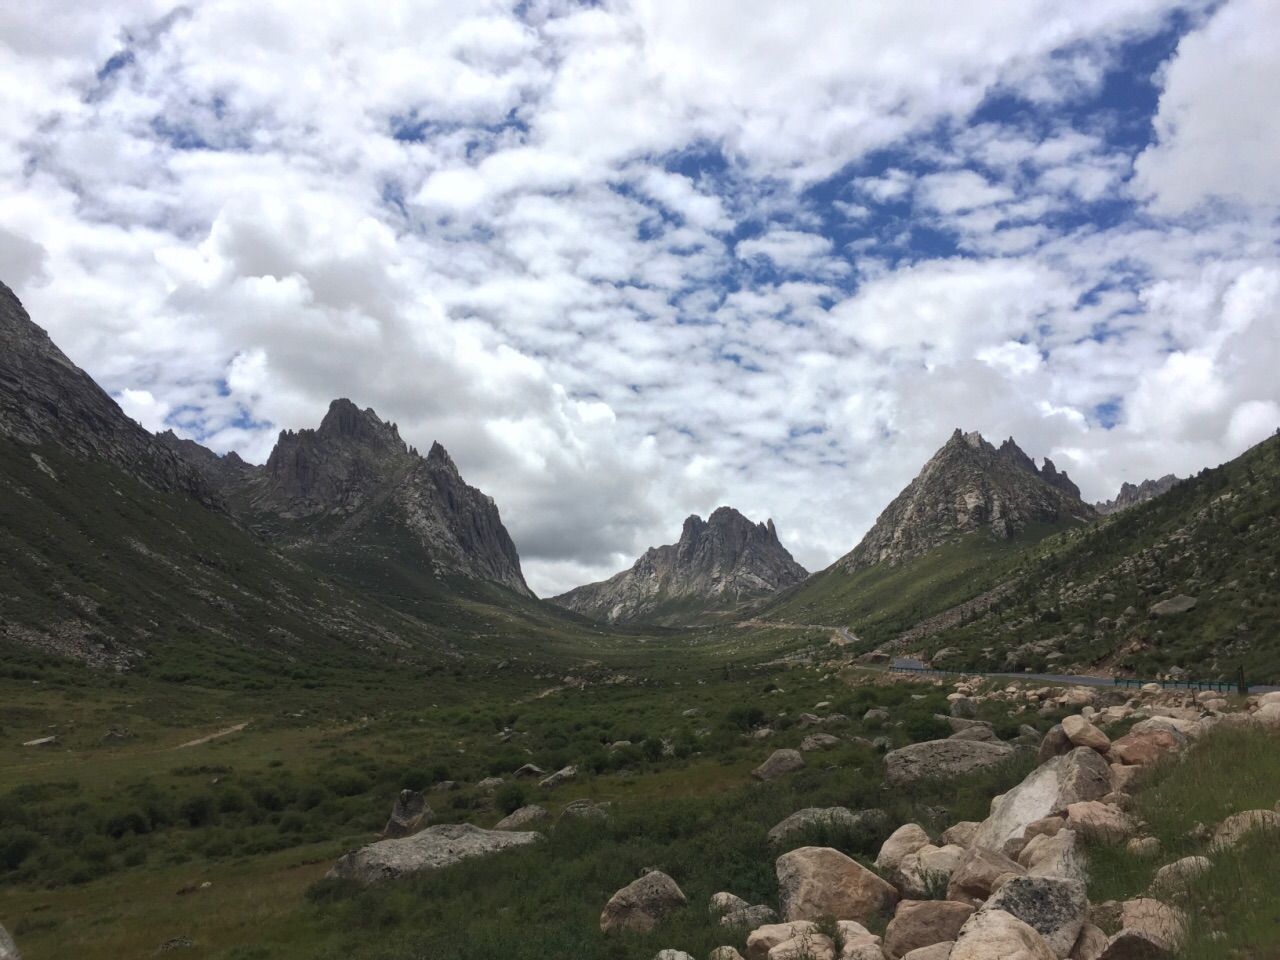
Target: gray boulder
780 763
641 904
1055 908
818 741
431 849
755 915
409 815
1172 607
522 818
826 816
8 951
584 809
529 772
1080 775
943 759
563 775
1055 743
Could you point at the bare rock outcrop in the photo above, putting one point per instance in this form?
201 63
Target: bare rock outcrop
430 849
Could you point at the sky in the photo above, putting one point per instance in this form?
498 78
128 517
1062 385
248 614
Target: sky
630 261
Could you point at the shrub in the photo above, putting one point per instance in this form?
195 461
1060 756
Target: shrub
510 797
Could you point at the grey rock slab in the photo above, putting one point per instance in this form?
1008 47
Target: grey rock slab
943 759
780 763
431 849
1079 775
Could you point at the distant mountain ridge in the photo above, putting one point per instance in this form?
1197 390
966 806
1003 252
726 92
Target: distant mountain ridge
718 564
968 486
352 489
1131 496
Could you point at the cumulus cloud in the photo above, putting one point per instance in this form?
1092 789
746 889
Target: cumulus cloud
631 262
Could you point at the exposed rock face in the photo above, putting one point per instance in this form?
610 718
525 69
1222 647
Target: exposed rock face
641 904
717 564
352 489
968 486
943 759
431 849
1131 496
45 398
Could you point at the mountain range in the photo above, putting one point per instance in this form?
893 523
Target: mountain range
716 565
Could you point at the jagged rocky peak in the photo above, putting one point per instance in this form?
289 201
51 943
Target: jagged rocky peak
45 398
968 486
346 421
717 564
1131 496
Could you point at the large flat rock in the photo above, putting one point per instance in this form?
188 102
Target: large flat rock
1079 775
943 759
430 849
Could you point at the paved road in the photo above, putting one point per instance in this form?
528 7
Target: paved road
906 663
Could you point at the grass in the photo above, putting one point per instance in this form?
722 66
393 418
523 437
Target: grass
1234 909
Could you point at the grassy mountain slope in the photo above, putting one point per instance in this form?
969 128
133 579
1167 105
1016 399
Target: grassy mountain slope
1084 601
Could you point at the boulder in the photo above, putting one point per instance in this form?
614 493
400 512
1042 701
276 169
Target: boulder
489 784
723 902
960 834
780 762
819 741
862 948
939 951
672 955
825 816
1047 827
1090 944
1237 825
1268 716
1148 847
1172 606
922 923
1055 856
1159 921
561 776
763 939
1048 790
1123 777
1097 821
964 707
984 732
430 849
1135 945
8 951
989 934
908 838
818 882
1148 748
529 772
641 904
927 872
1173 876
409 815
807 946
1055 908
977 873
1082 733
584 809
943 759
725 953
522 818
1055 743
751 916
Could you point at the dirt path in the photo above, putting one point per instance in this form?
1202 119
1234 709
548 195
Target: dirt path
213 736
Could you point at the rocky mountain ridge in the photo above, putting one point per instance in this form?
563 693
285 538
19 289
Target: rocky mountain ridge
968 486
1131 496
45 398
353 486
717 564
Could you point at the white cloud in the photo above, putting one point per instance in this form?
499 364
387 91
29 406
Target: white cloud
1217 135
520 235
